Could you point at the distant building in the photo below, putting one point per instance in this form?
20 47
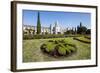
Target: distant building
56 29
29 29
52 29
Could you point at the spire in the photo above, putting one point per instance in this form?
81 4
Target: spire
56 23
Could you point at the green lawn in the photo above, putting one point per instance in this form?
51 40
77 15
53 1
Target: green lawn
33 53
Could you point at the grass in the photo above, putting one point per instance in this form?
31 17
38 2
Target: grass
33 53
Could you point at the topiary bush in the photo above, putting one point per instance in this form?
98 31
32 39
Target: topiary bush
43 47
62 50
50 41
50 47
56 42
58 48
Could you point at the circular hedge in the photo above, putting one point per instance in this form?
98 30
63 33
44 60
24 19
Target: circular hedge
58 48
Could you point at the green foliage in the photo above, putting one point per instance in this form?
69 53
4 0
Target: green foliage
50 28
82 39
50 47
50 41
88 37
43 46
88 31
56 42
71 49
60 47
32 52
81 29
71 31
38 24
26 37
68 51
38 36
62 50
52 36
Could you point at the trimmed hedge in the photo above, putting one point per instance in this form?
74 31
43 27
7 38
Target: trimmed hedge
46 36
88 37
62 50
25 37
83 40
50 47
58 48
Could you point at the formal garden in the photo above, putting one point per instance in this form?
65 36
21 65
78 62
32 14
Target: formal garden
73 44
56 49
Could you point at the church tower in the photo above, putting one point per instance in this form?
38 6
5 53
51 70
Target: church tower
57 28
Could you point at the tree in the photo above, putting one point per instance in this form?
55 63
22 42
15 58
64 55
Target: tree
88 31
80 24
81 29
68 32
75 31
38 24
46 32
50 28
72 31
78 29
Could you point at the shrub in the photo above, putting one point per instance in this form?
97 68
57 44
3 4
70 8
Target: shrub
60 44
37 36
46 36
72 45
62 50
57 48
44 46
50 41
67 51
62 41
72 49
56 42
50 47
82 39
25 37
88 37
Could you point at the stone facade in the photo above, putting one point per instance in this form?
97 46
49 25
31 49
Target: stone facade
52 29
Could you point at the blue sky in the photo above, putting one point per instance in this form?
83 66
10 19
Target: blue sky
65 19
